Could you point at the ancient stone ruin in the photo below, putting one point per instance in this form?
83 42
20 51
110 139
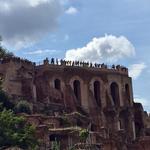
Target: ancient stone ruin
78 105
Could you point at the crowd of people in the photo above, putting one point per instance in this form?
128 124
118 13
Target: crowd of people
56 61
15 59
81 64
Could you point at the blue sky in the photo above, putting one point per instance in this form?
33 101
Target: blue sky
79 29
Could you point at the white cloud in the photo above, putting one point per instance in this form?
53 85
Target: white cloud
25 22
37 52
35 3
71 10
135 70
103 49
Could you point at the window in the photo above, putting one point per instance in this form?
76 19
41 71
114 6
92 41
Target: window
138 129
115 93
127 93
77 90
97 93
57 84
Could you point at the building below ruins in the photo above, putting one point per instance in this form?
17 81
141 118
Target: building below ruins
78 105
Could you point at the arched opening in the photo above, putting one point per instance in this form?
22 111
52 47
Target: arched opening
115 93
57 84
93 127
122 123
127 94
110 119
97 93
119 125
77 90
55 137
124 120
137 129
79 123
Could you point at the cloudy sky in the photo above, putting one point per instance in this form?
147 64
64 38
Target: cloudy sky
109 31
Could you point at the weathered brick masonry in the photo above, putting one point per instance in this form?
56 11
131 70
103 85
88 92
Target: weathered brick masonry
67 97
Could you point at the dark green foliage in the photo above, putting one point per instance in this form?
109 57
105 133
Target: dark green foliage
5 101
84 133
3 52
14 131
55 145
23 107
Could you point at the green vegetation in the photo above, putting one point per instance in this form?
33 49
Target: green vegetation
14 131
5 101
83 134
4 52
23 107
56 145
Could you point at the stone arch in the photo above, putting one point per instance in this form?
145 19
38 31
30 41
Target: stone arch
54 79
77 87
114 91
96 86
97 92
56 88
121 122
124 120
138 129
111 121
127 93
93 127
57 84
77 90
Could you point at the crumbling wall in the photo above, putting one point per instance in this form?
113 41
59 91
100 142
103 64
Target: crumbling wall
104 95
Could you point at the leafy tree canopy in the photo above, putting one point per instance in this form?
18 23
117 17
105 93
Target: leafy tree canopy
23 107
5 101
14 131
83 134
3 52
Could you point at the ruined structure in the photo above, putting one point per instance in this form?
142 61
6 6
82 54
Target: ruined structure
67 97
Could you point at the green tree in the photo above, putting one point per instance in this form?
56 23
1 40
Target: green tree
14 131
23 107
55 145
3 52
5 101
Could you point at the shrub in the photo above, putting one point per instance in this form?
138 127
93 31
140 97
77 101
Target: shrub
3 52
55 145
14 131
23 107
83 134
5 101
